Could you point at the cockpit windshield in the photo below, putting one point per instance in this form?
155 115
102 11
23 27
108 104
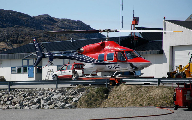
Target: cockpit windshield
131 54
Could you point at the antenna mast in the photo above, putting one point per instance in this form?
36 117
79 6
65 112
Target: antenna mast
121 17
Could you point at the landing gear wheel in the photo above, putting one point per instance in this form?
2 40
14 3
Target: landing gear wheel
178 75
112 83
55 77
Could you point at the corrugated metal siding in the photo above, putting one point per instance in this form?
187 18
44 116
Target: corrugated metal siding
150 52
15 56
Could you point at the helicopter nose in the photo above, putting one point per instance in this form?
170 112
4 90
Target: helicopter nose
141 63
147 64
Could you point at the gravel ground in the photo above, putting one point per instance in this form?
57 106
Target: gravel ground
95 113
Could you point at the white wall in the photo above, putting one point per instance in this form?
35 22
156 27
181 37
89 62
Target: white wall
5 70
155 69
174 39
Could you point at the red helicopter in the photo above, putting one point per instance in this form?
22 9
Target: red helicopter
105 56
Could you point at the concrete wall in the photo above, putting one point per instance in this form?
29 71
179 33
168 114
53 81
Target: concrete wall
174 39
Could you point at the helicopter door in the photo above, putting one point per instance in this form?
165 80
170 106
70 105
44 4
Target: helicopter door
120 56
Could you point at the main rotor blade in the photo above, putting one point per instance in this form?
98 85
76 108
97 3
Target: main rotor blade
73 31
105 30
146 31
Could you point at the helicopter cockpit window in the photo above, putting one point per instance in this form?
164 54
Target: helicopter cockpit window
131 54
120 56
101 57
110 56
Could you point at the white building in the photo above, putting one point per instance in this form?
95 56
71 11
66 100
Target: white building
177 49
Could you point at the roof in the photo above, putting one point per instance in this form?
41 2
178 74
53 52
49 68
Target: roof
187 24
151 45
189 18
57 46
151 35
23 51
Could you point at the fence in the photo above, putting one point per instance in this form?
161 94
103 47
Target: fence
156 81
54 82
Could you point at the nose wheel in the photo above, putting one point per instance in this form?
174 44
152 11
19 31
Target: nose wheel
112 83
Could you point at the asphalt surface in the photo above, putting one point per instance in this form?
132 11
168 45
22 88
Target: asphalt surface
138 113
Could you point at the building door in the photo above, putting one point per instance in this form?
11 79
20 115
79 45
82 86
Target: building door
30 72
181 55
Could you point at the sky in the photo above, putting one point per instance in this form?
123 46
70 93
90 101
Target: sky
106 14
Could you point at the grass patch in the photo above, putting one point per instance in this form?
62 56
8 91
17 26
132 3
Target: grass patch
125 95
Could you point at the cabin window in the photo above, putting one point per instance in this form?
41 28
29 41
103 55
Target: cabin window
101 57
110 56
120 56
131 54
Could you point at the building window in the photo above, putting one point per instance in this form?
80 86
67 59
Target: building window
110 56
27 62
19 69
24 69
101 57
30 62
13 69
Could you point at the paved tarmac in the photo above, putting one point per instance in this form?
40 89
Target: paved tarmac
138 113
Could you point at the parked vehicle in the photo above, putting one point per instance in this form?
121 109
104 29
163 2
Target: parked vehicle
182 72
69 71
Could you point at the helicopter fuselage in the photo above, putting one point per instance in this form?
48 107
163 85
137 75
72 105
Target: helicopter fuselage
112 57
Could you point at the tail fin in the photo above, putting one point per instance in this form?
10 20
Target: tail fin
39 52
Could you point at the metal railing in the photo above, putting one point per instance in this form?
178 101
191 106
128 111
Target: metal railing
156 81
159 81
54 82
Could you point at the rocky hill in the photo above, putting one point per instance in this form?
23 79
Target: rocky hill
17 28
